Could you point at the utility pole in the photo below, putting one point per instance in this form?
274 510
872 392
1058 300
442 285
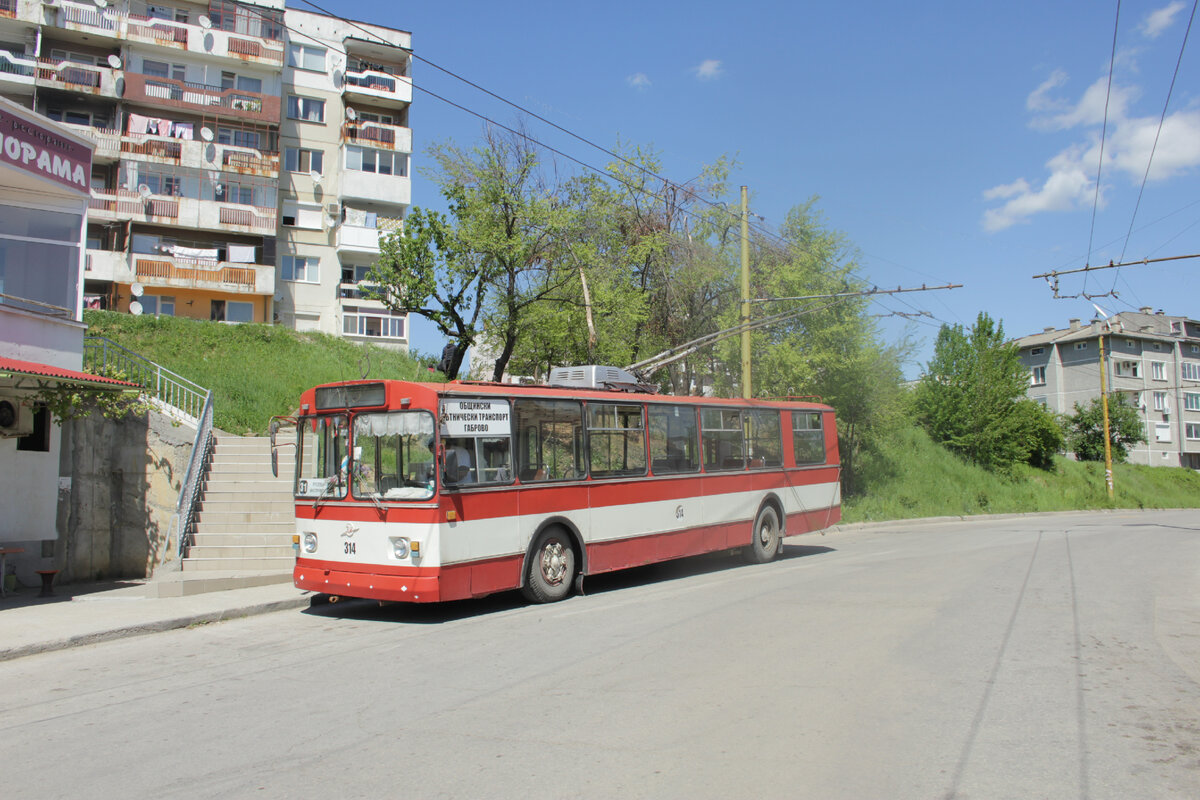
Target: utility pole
1108 471
745 318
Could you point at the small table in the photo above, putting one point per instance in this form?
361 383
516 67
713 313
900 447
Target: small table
4 553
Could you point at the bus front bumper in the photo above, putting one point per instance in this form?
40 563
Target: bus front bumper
330 580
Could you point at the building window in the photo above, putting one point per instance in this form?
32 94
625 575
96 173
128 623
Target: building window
1158 345
1081 345
383 162
1176 327
239 138
159 305
239 312
162 69
1129 369
49 239
242 83
379 325
1160 401
305 109
39 440
1193 431
1195 348
1190 370
1162 431
1191 401
1037 351
300 159
306 56
301 269
1037 376
1131 344
296 215
1158 370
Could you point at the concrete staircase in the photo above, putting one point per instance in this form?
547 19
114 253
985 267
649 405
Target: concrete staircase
245 521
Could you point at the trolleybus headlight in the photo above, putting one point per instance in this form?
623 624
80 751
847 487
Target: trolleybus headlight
400 546
310 542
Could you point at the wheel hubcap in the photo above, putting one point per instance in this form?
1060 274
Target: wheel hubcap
766 534
554 563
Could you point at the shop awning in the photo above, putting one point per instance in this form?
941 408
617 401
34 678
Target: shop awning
10 367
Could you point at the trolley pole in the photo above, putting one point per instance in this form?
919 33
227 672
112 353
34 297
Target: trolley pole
745 318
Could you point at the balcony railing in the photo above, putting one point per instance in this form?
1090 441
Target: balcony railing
259 49
251 162
376 134
379 84
87 17
194 275
201 97
157 31
259 218
168 150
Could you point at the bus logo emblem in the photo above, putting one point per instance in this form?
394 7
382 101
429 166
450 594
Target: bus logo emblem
350 530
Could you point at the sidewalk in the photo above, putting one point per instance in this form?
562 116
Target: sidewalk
84 613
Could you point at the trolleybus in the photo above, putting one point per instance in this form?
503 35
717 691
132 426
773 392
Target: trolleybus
422 492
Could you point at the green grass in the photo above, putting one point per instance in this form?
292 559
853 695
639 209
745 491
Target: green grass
254 371
913 477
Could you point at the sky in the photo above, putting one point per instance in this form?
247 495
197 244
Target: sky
949 142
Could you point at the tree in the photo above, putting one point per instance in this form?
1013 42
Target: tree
488 261
1085 429
970 397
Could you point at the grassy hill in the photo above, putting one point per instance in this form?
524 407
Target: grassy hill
255 371
916 478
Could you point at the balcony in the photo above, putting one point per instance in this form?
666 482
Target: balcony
120 205
108 141
178 273
357 239
374 85
17 70
376 134
72 77
116 24
201 98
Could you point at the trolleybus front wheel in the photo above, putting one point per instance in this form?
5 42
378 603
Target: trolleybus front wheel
766 537
550 569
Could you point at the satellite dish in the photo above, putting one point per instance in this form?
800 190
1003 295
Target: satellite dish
204 21
206 134
316 177
351 114
114 60
136 290
101 3
144 191
328 220
135 308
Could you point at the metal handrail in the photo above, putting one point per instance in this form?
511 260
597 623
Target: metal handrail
184 519
172 389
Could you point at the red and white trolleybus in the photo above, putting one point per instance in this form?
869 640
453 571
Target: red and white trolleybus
430 492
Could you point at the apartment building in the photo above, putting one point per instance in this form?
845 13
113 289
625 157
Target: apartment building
1151 358
224 134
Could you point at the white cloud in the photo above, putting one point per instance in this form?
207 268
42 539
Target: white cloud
1158 21
1129 141
639 81
709 69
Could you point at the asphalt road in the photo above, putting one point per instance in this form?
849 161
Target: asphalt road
1036 657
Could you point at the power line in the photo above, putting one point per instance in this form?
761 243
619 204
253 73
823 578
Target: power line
1158 133
1103 134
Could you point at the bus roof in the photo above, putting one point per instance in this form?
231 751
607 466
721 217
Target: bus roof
425 394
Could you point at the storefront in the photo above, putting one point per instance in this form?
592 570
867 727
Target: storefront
44 191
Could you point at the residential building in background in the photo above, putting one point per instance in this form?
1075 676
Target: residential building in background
1152 359
247 156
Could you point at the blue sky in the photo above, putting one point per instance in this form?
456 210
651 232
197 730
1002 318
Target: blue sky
950 142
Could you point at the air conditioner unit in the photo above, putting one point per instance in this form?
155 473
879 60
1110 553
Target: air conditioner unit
16 418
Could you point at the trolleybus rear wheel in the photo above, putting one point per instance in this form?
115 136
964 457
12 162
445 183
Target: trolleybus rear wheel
766 537
551 567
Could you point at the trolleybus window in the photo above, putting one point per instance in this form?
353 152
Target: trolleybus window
550 444
808 439
674 443
721 429
392 456
616 440
475 434
323 451
764 437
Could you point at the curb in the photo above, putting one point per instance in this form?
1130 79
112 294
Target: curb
157 626
850 527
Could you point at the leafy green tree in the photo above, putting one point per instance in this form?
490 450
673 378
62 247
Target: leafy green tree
969 398
1085 429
